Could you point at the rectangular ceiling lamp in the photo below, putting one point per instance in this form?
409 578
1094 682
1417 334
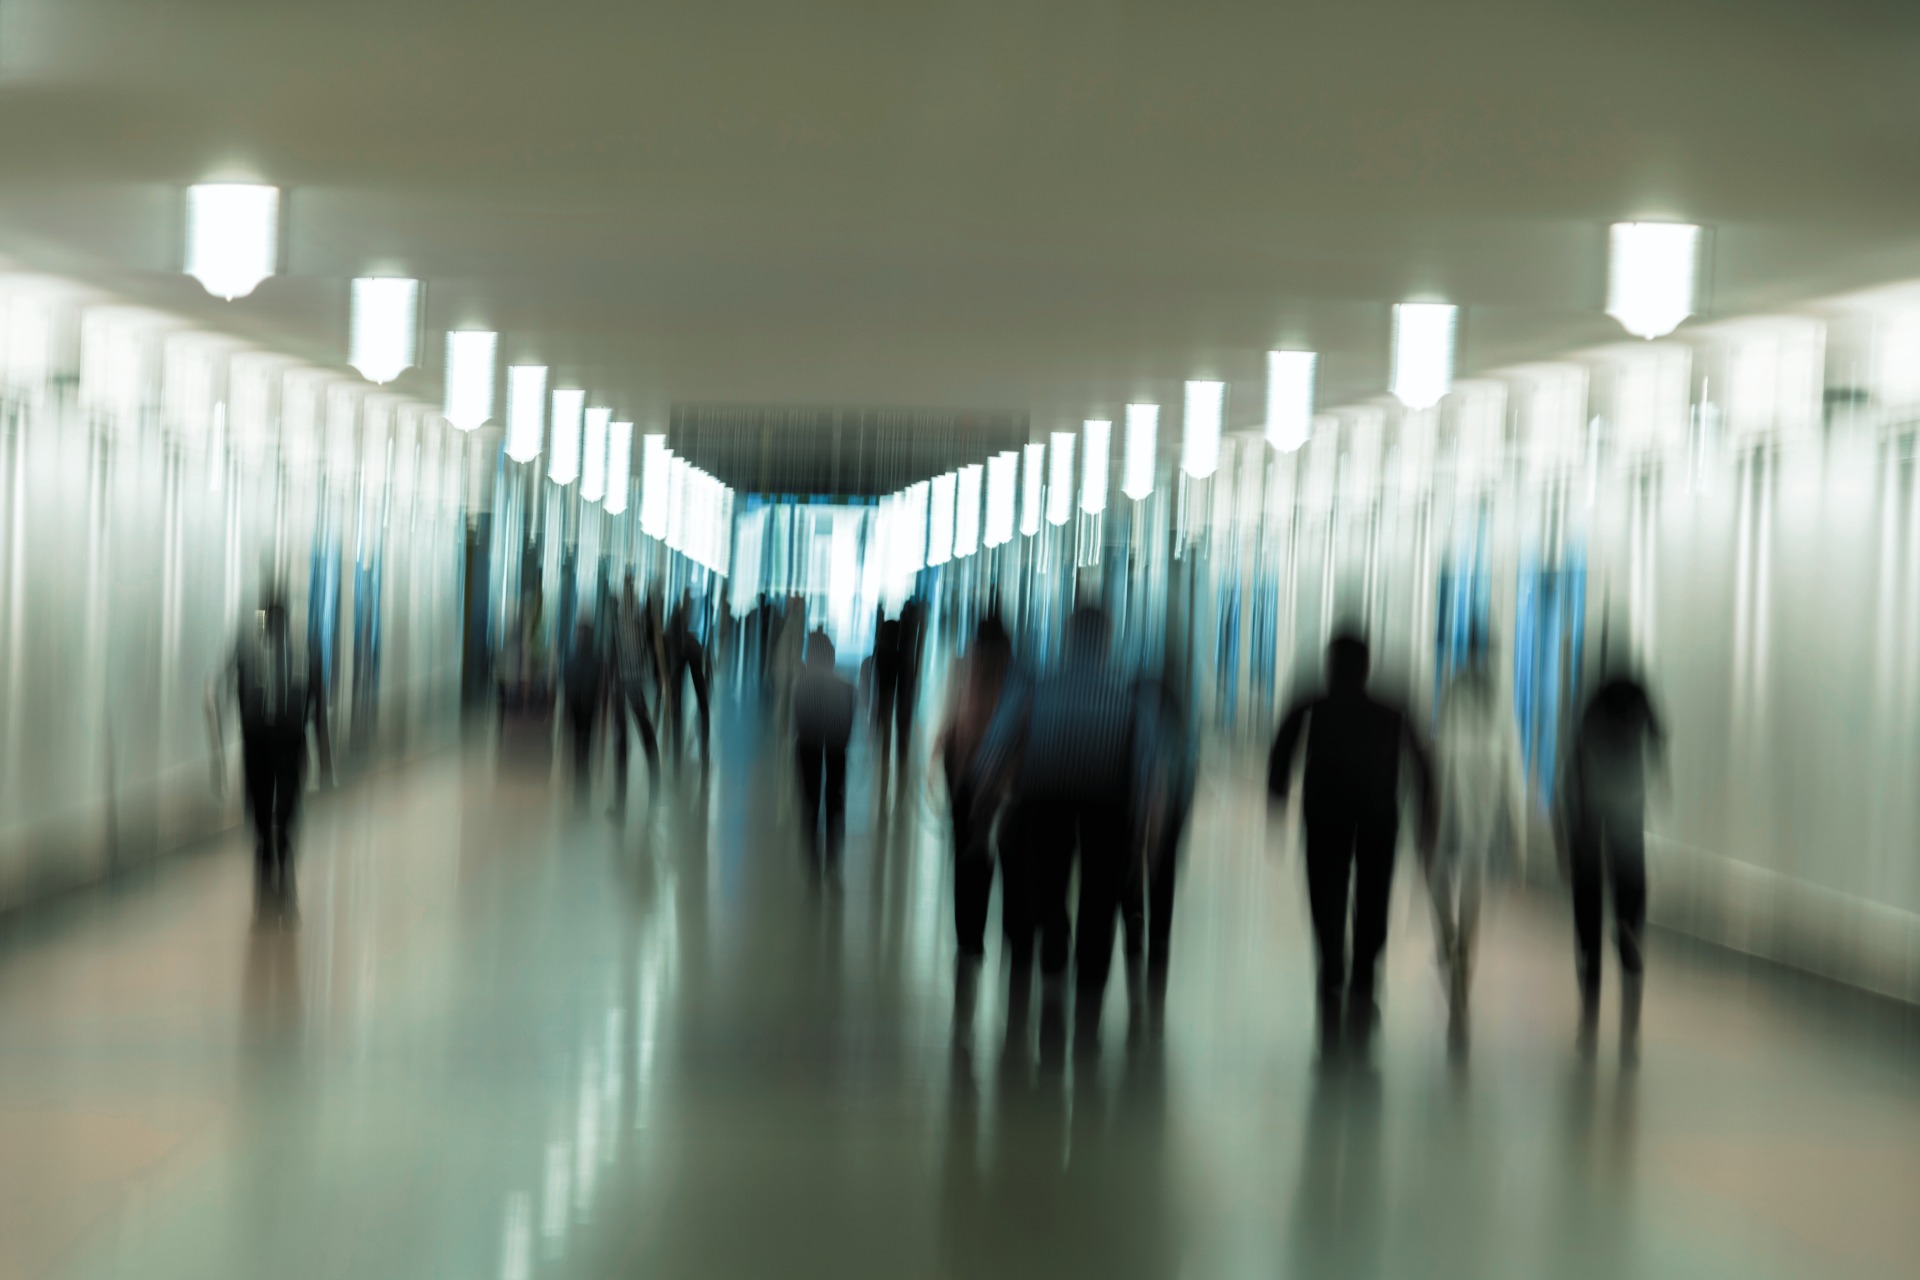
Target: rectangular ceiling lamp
526 410
563 466
619 466
916 526
1200 447
593 458
653 486
1000 483
966 513
1095 460
1032 488
1651 268
1422 352
1290 398
233 236
469 390
384 337
1143 449
677 474
1060 479
940 520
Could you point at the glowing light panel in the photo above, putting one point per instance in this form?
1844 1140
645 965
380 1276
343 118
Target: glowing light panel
1000 484
1422 352
1290 398
526 410
233 236
593 461
469 392
940 522
563 466
966 512
1032 488
1650 275
385 334
1060 479
654 492
1095 459
1200 447
619 466
1143 447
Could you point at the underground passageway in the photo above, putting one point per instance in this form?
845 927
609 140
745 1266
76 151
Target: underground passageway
510 1039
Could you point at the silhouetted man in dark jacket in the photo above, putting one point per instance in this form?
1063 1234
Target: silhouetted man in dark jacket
1354 745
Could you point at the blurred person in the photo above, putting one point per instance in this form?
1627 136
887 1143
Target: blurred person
584 682
1064 751
823 714
1603 804
1482 785
686 661
281 693
906 688
1354 743
628 691
885 691
788 651
1147 911
973 695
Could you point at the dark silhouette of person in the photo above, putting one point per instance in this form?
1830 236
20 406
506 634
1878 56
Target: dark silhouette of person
686 660
1147 911
585 691
281 694
1066 750
913 628
1603 804
973 695
823 714
1355 743
886 662
631 663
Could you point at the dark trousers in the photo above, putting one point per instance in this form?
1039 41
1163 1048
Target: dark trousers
972 876
823 793
676 704
1343 850
1049 834
273 764
580 733
1146 907
633 702
1608 851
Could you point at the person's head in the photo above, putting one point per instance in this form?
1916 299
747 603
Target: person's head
819 650
273 611
1348 661
1088 632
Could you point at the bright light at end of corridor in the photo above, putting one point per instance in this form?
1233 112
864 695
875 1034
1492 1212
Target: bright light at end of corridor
233 236
1290 398
1143 448
526 410
1200 447
1031 488
1422 352
619 466
385 332
1651 268
469 392
1060 479
564 465
1098 434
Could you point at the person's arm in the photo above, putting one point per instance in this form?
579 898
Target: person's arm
1423 780
992 765
1285 744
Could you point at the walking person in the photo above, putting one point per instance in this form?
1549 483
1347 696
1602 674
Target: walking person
281 694
1603 807
584 690
823 714
1482 785
973 695
1147 911
629 695
686 661
1354 744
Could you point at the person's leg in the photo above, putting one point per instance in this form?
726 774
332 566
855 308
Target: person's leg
1162 872
1329 869
1020 845
834 764
649 741
1585 872
581 723
1372 890
1054 840
1103 838
1442 881
289 786
698 672
1627 864
809 763
972 879
257 773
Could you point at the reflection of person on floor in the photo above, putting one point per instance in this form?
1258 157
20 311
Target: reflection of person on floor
1066 750
585 681
973 694
1603 803
1354 746
823 712
280 693
1481 786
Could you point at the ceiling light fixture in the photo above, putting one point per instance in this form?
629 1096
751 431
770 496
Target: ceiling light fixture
1060 479
384 337
469 393
1200 447
1033 488
940 522
1095 459
526 410
654 486
966 516
619 466
1290 398
233 236
1423 352
1000 485
1651 270
564 464
593 458
1143 447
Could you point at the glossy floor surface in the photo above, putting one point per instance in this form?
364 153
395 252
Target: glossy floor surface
508 1038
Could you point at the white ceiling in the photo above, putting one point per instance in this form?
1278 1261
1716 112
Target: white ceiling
1012 204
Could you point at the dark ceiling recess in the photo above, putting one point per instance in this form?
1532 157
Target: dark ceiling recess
835 452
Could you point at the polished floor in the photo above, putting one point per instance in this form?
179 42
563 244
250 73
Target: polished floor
508 1038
